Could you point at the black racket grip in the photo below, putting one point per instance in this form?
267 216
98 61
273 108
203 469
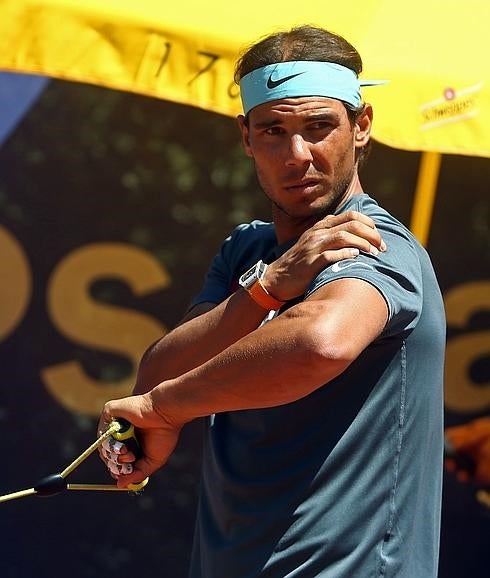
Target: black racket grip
127 436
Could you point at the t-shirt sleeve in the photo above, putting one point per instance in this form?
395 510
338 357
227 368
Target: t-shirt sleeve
247 243
396 274
218 280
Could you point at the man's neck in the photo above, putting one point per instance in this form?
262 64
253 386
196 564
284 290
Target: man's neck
288 228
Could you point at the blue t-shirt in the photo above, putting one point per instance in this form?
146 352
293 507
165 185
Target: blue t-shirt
346 482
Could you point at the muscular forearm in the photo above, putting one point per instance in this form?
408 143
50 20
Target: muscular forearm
196 341
276 364
282 361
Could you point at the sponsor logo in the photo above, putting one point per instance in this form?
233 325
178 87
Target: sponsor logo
347 263
275 83
453 106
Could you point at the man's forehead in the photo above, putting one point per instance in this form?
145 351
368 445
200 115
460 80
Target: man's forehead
303 106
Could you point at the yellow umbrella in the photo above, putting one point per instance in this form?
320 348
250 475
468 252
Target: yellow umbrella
433 52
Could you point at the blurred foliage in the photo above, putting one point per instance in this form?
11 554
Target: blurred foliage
132 157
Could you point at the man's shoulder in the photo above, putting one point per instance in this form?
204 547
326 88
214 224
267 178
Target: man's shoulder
385 221
255 227
364 203
252 232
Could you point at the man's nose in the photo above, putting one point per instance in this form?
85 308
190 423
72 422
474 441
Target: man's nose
299 152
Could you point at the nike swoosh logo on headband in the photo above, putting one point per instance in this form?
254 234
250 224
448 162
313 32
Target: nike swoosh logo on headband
275 83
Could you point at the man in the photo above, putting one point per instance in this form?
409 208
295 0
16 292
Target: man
324 441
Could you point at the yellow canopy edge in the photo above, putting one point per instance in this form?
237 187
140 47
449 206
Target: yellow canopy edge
433 54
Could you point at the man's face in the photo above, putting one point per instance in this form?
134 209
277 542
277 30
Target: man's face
304 151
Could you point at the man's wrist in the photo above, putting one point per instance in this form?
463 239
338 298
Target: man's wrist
263 298
166 401
252 282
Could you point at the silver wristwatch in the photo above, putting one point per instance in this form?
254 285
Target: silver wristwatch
252 275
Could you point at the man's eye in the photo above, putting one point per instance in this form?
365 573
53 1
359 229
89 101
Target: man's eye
321 125
274 130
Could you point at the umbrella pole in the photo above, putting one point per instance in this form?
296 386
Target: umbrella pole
425 195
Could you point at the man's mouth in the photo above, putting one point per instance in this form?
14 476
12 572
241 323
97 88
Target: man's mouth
302 184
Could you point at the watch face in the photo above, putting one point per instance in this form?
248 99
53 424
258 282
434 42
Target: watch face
251 276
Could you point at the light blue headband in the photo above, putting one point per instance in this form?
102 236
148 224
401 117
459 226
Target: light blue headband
302 78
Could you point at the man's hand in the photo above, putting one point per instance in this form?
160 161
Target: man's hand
332 239
156 436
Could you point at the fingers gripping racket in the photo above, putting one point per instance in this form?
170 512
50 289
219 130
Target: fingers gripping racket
119 429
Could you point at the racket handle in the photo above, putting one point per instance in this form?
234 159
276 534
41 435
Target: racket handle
127 436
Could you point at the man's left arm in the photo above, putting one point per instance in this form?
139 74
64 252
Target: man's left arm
284 360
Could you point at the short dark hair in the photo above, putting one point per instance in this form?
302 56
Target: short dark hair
303 43
300 43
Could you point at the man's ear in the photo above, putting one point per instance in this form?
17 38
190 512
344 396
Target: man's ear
243 126
362 127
